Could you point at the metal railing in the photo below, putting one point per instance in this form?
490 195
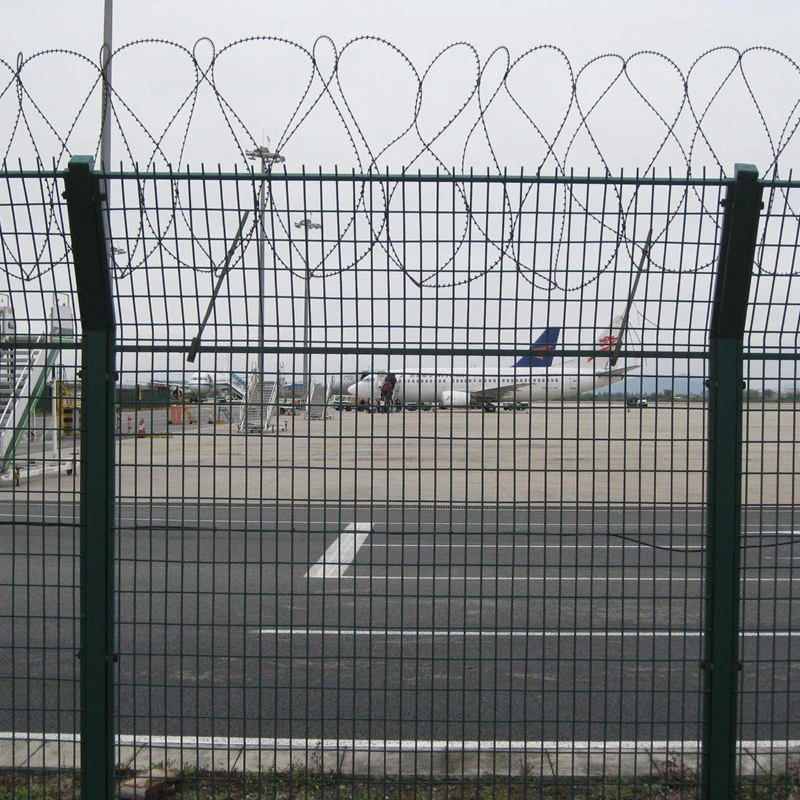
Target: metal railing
523 577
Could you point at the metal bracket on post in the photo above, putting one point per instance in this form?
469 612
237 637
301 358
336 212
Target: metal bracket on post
98 378
724 489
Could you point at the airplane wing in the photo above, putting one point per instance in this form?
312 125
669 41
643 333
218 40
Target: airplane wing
616 373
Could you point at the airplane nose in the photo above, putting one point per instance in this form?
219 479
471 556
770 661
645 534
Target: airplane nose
363 390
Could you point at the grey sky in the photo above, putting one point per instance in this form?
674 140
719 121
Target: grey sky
585 28
262 84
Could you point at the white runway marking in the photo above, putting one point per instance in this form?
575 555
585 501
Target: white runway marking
341 554
557 578
528 546
554 634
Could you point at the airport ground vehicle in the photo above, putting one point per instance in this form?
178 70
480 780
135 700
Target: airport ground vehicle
342 402
636 402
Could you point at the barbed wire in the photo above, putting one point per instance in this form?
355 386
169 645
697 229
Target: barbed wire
367 106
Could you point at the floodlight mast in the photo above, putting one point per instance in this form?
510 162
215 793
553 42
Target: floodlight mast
105 66
267 158
308 225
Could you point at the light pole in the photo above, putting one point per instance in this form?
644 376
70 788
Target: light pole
267 159
308 225
105 65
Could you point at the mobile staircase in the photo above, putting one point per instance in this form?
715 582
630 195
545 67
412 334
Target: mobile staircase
317 401
31 375
258 407
238 386
8 355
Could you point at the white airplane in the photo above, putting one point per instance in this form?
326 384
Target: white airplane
203 384
518 385
196 387
340 383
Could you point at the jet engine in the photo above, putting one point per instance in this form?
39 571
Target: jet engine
456 399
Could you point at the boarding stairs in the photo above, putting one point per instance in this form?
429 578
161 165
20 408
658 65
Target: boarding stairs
259 405
8 355
238 386
31 377
317 401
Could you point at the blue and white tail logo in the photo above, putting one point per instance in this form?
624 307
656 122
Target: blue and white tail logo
539 355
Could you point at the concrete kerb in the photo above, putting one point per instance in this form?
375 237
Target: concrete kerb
438 760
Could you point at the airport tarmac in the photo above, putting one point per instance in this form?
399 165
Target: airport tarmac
564 454
561 641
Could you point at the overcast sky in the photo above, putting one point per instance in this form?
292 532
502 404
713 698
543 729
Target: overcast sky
584 28
262 84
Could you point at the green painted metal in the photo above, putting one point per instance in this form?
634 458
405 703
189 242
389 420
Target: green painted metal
480 179
558 619
726 375
89 250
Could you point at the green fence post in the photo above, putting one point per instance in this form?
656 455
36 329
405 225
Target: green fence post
724 489
90 256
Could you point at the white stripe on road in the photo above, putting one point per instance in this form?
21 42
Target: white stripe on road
527 546
554 634
558 578
341 554
769 747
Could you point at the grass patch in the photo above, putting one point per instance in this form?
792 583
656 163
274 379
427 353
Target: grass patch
304 783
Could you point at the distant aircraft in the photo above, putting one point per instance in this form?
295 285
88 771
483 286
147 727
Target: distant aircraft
339 384
201 385
196 387
429 387
518 385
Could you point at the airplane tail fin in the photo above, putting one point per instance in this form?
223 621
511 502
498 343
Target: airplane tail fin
539 355
609 345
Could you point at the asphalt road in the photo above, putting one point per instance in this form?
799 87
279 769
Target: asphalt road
416 624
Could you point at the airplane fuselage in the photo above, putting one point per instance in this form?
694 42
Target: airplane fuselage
531 379
462 389
202 385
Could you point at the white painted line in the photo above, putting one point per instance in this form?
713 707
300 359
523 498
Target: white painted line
525 546
556 578
555 634
543 527
341 554
407 745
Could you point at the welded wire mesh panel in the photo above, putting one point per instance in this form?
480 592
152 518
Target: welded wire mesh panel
411 484
39 492
769 703
427 503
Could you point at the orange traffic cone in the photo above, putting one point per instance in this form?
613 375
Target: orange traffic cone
142 429
210 419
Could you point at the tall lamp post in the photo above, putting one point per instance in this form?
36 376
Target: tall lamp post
105 65
308 225
267 158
